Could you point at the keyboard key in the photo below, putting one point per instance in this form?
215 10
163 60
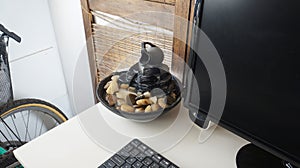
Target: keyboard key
123 154
147 161
101 166
154 165
126 165
173 166
142 147
109 164
135 142
118 160
164 163
137 164
131 160
157 158
140 156
128 148
134 152
149 152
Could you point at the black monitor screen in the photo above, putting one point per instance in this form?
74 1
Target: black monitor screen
259 44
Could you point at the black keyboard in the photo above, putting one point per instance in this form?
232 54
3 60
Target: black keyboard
137 155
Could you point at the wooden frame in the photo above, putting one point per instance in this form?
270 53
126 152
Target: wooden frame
87 22
183 9
181 41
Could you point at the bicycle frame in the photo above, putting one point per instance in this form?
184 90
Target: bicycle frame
4 64
5 76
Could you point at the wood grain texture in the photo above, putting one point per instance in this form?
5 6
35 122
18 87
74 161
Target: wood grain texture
181 36
87 21
145 11
159 1
169 2
190 30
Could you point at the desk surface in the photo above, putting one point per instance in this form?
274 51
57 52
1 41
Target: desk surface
87 140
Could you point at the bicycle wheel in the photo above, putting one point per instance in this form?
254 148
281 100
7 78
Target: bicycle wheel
25 119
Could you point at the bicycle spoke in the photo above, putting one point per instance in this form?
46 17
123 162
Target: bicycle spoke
8 141
42 124
25 127
11 138
11 130
36 124
15 125
55 123
24 123
28 116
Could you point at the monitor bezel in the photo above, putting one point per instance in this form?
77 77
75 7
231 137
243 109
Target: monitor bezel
202 118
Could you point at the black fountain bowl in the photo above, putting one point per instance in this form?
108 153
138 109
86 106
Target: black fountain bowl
140 117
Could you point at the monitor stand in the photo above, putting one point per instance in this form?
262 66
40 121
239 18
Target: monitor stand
251 156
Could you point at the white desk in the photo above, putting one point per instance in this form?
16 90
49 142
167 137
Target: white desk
85 142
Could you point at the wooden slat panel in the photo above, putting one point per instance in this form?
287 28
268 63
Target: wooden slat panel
137 10
180 41
119 49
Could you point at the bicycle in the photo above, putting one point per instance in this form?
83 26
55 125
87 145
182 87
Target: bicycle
20 120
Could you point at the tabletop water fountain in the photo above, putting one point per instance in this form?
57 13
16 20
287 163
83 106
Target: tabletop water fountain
144 92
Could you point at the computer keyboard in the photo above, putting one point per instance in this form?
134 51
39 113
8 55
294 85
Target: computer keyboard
136 154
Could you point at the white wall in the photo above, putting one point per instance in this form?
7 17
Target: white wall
69 30
36 67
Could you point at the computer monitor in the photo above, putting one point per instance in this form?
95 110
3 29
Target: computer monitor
258 44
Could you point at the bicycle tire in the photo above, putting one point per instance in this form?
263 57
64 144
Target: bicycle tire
36 106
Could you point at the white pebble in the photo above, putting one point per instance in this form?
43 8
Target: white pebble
148 109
